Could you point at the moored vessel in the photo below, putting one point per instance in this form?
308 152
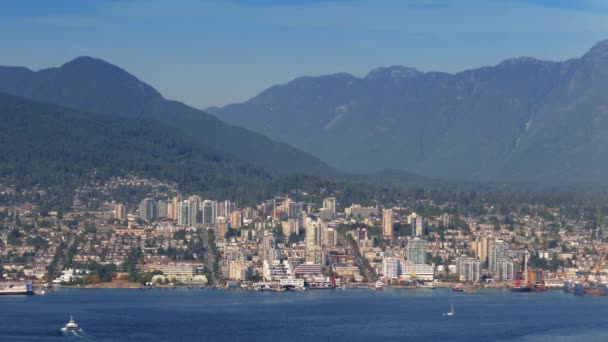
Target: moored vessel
596 289
378 286
16 289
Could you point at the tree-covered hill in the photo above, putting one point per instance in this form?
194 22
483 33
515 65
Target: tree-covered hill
93 85
49 145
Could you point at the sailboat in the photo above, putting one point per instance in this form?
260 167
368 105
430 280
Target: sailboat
452 312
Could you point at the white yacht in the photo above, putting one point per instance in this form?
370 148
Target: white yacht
71 326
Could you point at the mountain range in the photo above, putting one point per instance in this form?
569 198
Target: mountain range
94 86
521 120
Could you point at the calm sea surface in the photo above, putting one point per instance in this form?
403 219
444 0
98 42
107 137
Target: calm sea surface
351 315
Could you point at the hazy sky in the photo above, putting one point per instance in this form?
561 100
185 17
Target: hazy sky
220 51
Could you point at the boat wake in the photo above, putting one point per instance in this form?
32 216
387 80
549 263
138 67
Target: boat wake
75 333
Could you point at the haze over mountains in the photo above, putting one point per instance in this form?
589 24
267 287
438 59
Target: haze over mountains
523 119
92 85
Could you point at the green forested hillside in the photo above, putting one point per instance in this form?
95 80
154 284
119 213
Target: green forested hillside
93 85
45 144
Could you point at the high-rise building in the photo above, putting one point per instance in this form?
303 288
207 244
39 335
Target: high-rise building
390 268
236 219
469 269
387 223
194 207
330 236
209 209
221 227
329 204
177 200
415 251
505 269
291 208
170 211
248 213
120 212
162 208
482 249
268 247
446 219
498 251
225 208
314 234
147 209
291 226
417 224
182 217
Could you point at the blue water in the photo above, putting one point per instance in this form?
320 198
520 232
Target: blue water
352 315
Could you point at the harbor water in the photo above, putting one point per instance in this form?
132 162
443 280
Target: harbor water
322 315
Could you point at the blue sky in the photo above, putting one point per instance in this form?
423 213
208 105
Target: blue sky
213 52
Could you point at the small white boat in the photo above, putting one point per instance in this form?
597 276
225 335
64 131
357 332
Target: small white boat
378 286
71 326
451 312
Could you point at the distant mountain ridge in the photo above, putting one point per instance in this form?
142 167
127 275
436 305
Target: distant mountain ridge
523 119
93 85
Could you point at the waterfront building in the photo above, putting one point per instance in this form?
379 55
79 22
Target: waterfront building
411 270
387 223
348 272
498 250
274 270
239 270
183 271
468 269
308 269
416 251
291 281
482 248
390 268
505 269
